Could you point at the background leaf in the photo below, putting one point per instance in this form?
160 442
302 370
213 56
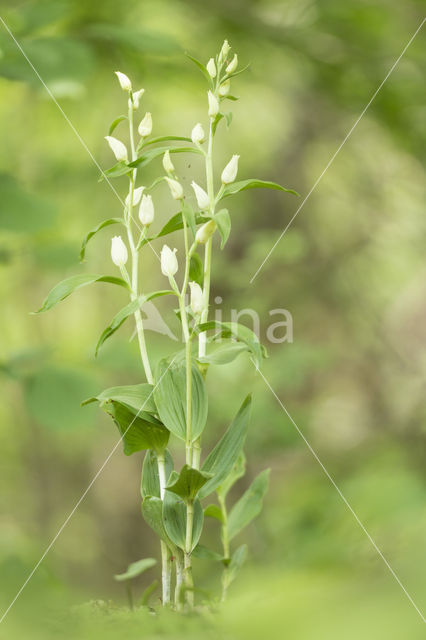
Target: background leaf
253 183
249 505
68 286
136 569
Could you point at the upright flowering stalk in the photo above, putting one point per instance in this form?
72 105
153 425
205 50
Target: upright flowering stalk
173 400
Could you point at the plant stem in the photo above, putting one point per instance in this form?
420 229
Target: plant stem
188 549
179 580
225 543
166 572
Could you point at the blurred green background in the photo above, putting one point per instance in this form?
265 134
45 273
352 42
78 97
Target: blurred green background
351 270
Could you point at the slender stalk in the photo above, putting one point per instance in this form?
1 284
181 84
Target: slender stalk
225 543
166 573
188 549
179 581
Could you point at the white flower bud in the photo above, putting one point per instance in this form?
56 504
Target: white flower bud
146 210
145 126
169 263
203 199
176 188
118 148
118 251
230 171
136 96
124 81
137 195
205 232
211 68
197 298
232 65
213 105
224 88
224 51
197 135
167 163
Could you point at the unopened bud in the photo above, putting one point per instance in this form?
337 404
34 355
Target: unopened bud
211 68
145 126
205 232
203 199
146 210
197 298
224 88
136 96
124 81
197 135
230 171
169 263
176 188
167 163
213 105
224 52
232 65
137 195
118 148
118 251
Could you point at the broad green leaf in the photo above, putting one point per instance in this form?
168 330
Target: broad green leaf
127 311
202 552
166 139
152 511
150 480
201 67
188 483
241 333
236 73
249 505
223 221
136 568
237 472
238 558
189 217
117 170
174 224
223 353
148 156
101 225
252 183
174 518
115 124
137 433
196 269
66 287
170 398
220 461
214 511
138 397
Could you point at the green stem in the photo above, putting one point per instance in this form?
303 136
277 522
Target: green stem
188 549
225 543
165 553
179 580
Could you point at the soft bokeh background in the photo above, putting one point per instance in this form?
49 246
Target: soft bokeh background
351 270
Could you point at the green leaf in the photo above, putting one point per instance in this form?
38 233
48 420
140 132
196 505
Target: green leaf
220 461
127 311
166 139
148 593
174 224
189 217
238 558
170 398
115 123
196 269
136 568
137 397
94 231
235 73
252 183
137 432
148 156
213 511
228 118
63 289
119 169
216 121
204 553
150 480
223 221
237 472
249 505
241 333
223 353
201 67
188 483
152 512
174 518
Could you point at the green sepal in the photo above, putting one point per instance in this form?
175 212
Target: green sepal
63 289
135 569
253 183
188 483
94 231
221 460
249 505
138 433
150 479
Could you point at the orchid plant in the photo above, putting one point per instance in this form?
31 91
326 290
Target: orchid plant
169 409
